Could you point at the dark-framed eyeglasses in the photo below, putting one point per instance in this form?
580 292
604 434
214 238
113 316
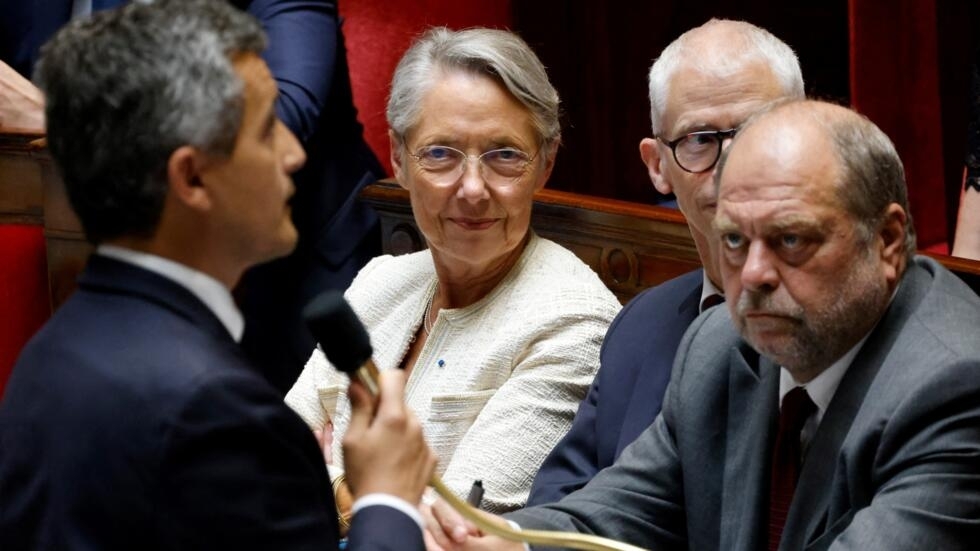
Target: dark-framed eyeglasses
698 151
444 165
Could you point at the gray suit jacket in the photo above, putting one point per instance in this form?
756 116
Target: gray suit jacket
894 465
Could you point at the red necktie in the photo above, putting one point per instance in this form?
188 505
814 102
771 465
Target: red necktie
786 459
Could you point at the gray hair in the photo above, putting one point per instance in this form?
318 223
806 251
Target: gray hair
500 55
871 175
125 88
746 44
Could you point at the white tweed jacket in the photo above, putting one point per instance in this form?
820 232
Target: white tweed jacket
497 383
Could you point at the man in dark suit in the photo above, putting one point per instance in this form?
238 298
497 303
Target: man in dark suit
132 420
338 233
835 403
708 80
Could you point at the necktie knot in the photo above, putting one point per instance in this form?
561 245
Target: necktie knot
797 407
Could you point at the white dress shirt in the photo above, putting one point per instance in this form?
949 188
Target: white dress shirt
707 289
820 390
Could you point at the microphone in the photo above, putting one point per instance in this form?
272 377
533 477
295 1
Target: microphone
347 345
342 337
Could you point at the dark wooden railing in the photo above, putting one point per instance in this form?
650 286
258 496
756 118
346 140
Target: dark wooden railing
631 246
31 192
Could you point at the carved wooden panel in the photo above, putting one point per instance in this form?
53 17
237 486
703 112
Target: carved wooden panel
31 192
630 246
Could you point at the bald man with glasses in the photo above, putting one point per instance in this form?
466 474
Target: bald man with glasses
703 87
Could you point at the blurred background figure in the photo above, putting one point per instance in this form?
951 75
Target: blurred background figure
967 243
132 420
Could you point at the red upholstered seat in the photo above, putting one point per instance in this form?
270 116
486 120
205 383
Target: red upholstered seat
24 303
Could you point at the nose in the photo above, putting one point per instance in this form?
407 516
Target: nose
473 185
759 273
292 153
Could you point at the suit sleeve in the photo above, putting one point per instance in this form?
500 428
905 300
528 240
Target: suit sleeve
302 56
240 470
925 472
399 531
640 498
532 409
636 358
574 460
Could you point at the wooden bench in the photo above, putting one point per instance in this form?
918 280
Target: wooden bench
31 193
631 246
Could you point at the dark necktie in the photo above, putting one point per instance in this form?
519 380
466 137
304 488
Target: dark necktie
711 300
786 459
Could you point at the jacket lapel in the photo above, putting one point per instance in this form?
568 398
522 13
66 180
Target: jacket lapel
753 388
811 512
109 275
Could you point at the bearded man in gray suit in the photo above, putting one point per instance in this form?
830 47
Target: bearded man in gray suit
828 304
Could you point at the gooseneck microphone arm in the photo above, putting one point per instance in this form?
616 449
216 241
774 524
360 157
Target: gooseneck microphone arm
347 345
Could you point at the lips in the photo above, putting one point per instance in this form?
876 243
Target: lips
474 224
767 322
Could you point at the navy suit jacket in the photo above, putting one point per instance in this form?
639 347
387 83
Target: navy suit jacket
132 421
338 233
636 359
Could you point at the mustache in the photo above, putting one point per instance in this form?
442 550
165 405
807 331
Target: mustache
767 302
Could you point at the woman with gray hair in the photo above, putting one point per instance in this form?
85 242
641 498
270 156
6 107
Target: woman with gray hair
498 328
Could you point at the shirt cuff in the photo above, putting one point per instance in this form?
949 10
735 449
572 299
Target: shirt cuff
515 526
388 500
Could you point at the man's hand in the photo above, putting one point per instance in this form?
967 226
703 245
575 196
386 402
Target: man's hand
447 530
384 451
21 103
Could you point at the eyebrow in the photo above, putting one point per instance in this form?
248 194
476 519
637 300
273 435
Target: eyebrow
722 223
699 127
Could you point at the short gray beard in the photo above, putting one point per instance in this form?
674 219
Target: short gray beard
823 336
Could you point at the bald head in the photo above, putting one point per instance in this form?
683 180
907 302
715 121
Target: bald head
868 173
813 232
721 48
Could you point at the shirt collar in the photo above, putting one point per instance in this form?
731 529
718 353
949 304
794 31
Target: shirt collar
822 388
707 289
208 290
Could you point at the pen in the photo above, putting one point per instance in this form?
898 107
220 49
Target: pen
476 494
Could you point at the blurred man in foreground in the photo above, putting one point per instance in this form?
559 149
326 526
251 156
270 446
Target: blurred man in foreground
132 421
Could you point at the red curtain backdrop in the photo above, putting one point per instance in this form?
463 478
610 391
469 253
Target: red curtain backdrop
895 82
23 291
379 31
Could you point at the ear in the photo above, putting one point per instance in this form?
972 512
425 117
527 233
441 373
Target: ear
650 153
184 176
550 155
891 234
397 157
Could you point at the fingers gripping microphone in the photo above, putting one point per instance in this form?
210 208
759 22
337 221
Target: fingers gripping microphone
342 337
347 345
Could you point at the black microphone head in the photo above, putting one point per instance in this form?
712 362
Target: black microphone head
339 331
